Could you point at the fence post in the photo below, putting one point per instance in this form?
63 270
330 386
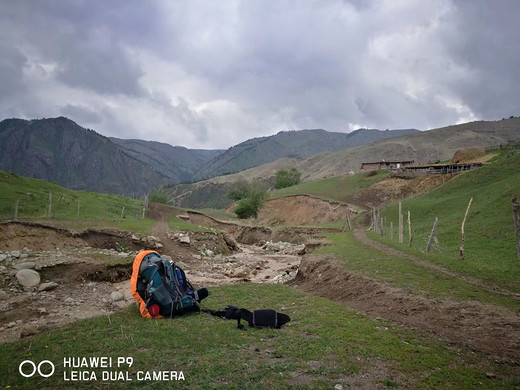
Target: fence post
381 227
16 209
432 234
461 248
410 234
392 230
77 214
123 212
516 220
50 205
400 224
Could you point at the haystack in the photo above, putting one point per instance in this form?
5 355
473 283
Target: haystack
467 154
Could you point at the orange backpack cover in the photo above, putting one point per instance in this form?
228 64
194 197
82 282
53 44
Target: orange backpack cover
133 283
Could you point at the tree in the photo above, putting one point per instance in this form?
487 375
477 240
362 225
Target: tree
159 195
239 191
287 178
252 199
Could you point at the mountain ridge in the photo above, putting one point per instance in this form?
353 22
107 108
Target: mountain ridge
292 144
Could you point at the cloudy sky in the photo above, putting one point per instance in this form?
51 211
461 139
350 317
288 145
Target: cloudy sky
210 74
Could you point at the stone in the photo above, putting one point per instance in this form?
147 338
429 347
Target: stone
47 286
123 254
3 256
26 250
185 240
3 295
25 265
24 255
70 301
116 296
15 254
241 272
28 277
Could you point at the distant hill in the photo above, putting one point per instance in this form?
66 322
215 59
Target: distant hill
422 147
59 150
175 162
292 144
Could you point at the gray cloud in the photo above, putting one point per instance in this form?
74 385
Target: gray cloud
210 74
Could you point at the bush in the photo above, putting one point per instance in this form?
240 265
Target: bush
287 178
239 191
248 206
159 195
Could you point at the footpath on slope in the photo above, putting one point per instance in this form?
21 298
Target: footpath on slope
361 235
484 328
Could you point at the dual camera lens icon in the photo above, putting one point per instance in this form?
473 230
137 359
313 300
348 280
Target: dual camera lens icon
28 368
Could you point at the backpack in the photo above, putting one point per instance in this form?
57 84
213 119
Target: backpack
161 288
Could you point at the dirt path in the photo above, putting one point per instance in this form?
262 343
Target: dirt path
487 329
360 234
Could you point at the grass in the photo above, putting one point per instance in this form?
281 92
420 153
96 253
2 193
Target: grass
490 245
406 273
338 188
325 344
33 200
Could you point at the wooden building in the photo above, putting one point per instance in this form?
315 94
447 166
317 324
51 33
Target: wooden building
385 165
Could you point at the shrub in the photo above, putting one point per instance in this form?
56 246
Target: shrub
287 178
249 205
239 191
159 195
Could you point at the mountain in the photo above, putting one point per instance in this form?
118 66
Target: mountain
422 147
59 150
175 162
293 144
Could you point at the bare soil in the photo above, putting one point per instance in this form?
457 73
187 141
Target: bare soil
303 210
92 269
483 328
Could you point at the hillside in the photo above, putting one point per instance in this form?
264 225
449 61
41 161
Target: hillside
422 147
59 150
175 162
291 144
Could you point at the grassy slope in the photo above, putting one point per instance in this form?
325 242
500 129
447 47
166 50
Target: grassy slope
33 196
490 246
325 344
337 188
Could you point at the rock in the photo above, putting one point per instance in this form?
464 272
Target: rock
47 286
25 265
23 256
123 254
70 301
116 296
241 272
11 325
26 250
3 295
338 386
209 252
28 277
153 242
15 254
3 256
185 240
